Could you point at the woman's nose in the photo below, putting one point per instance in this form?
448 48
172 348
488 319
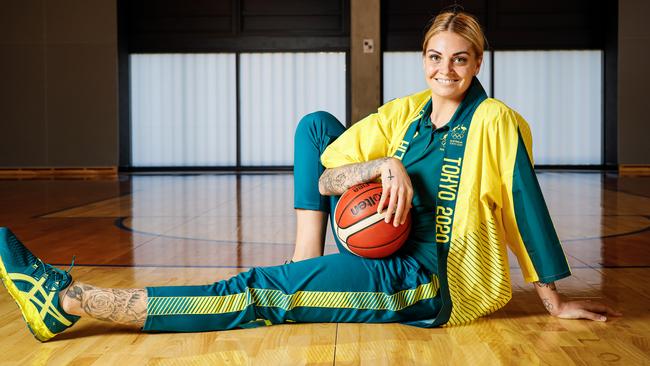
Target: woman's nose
446 67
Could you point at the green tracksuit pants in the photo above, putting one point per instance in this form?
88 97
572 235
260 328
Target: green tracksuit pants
334 288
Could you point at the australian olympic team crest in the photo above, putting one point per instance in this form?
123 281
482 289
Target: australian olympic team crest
457 135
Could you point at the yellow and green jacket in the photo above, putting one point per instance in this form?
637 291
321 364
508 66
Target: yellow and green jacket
497 201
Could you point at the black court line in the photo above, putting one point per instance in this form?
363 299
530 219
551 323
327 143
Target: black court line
42 216
647 228
157 173
627 192
606 186
217 173
119 223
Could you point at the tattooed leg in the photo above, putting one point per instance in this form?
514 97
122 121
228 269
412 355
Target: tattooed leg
124 306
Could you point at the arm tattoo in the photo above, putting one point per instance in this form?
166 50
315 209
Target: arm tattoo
126 306
338 180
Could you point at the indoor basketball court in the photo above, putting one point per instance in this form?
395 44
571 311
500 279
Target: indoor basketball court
153 141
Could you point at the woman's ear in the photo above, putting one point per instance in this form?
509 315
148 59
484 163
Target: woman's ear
478 65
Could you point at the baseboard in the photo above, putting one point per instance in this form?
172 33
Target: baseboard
59 173
634 169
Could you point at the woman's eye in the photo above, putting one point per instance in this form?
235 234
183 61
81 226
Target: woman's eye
435 58
460 60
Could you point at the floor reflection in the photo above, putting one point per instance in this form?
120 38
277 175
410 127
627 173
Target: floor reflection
248 220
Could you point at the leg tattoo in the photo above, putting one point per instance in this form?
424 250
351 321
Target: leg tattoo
124 306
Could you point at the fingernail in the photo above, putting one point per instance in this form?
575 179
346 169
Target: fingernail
602 318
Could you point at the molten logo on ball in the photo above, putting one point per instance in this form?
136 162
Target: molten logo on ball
363 231
368 202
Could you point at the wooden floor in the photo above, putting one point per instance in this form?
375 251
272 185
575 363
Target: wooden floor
190 229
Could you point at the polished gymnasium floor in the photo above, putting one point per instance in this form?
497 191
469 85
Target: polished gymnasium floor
190 229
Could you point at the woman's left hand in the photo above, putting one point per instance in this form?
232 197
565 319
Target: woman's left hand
584 309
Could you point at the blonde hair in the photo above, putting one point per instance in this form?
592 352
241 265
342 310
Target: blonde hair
461 23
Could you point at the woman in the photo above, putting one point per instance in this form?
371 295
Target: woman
458 159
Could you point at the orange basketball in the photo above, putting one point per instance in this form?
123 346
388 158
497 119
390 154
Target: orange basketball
361 229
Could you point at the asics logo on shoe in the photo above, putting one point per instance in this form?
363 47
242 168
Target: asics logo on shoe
37 287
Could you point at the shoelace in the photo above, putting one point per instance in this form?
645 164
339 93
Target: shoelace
51 272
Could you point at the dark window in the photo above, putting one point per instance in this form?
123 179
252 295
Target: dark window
237 25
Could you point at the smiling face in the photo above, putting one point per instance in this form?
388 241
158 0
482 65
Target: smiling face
450 62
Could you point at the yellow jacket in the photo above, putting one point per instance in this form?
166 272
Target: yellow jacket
499 201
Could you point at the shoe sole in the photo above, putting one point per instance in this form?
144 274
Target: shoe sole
28 310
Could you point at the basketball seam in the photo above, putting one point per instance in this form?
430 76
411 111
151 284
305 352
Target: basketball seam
367 218
406 231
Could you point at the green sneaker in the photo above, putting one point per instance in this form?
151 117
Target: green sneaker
35 287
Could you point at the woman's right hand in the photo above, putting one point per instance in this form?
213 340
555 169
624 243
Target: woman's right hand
397 191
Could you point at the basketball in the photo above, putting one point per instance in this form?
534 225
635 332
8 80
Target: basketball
362 230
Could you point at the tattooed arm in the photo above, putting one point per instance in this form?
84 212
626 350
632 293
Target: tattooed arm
397 189
335 181
577 309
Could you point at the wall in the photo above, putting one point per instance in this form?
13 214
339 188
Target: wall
58 95
633 81
365 70
58 67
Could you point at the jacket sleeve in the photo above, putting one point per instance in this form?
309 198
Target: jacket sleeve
366 140
529 230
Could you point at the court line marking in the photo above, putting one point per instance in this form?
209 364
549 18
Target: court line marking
119 222
131 174
647 228
626 192
42 216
